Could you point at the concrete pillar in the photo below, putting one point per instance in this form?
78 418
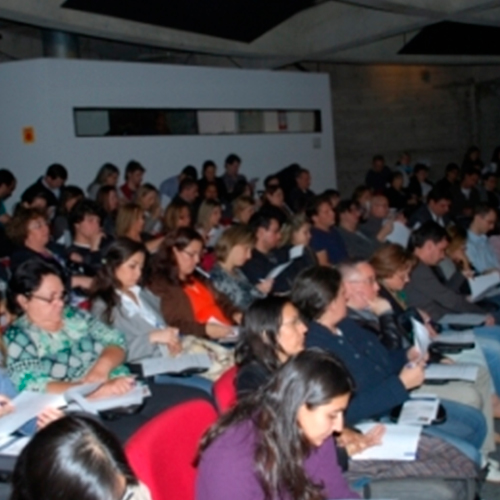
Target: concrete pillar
60 44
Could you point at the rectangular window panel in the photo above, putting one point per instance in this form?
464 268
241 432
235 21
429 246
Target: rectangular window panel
115 122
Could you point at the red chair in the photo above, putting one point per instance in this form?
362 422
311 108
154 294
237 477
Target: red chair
162 452
225 390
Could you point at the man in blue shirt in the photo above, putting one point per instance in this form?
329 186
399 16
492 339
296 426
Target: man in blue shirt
478 249
325 239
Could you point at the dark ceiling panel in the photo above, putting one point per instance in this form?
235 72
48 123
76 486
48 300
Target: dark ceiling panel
448 38
232 19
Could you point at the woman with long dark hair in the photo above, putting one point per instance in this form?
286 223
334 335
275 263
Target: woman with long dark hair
119 301
188 301
271 332
75 458
277 443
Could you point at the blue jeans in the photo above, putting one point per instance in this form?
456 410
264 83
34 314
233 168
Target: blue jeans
488 338
464 428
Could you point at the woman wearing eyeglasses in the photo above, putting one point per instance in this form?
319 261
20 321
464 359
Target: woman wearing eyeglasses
30 232
188 301
52 347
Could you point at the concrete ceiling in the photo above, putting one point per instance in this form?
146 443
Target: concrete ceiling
352 31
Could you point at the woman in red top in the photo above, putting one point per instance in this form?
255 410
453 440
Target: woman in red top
188 301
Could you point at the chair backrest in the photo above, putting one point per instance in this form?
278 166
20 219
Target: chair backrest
162 452
225 390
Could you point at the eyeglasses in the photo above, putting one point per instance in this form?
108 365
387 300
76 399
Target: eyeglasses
63 298
293 322
367 281
38 224
193 255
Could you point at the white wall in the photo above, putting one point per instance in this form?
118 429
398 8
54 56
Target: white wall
43 92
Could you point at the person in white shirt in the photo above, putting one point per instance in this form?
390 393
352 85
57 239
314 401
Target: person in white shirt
478 248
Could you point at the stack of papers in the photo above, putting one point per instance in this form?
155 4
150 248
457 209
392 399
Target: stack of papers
420 409
458 371
399 442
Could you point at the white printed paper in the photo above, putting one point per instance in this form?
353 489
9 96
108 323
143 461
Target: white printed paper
78 395
457 371
420 409
277 270
400 234
399 442
479 285
27 405
421 337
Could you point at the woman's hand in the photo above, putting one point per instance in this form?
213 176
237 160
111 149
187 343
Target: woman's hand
48 416
355 442
168 336
115 387
215 331
6 405
265 286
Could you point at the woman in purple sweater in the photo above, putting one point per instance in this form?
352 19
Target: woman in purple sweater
277 443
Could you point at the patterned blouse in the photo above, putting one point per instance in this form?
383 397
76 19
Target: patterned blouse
236 287
36 357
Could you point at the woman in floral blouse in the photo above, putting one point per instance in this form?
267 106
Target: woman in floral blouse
52 347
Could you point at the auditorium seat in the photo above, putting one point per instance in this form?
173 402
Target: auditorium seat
162 452
225 390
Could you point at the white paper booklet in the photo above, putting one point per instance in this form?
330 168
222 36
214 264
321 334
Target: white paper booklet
177 364
466 319
421 337
458 371
420 409
451 337
399 442
27 405
399 235
76 396
275 272
480 285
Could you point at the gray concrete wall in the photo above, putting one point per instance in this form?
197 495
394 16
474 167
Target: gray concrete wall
387 109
